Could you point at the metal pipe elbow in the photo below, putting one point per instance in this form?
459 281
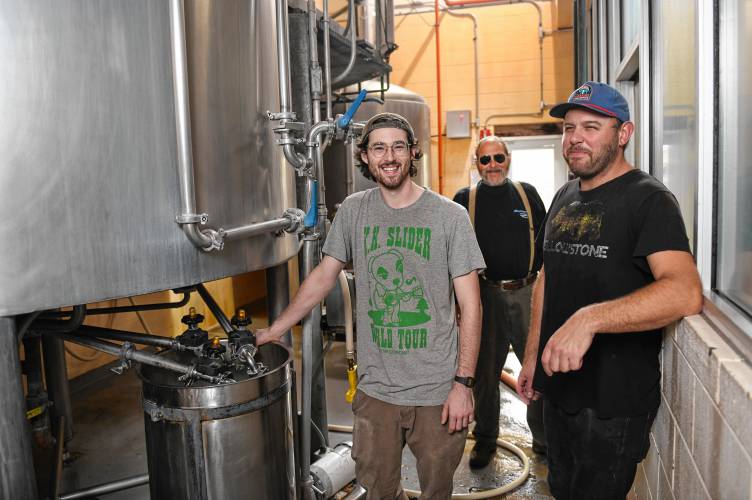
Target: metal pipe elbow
207 239
297 160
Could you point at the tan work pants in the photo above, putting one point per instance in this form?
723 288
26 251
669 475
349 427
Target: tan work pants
379 435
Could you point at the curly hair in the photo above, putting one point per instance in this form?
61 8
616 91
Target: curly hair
386 120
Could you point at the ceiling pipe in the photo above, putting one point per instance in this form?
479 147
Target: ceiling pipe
437 26
474 19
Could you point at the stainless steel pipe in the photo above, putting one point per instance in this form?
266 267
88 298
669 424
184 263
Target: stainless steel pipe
309 324
57 470
278 296
188 218
104 488
217 311
270 226
353 43
327 61
56 378
16 465
127 352
297 160
123 336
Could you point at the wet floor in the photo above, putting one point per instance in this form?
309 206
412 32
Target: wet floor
109 438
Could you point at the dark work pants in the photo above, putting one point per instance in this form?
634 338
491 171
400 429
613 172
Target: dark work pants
506 317
590 457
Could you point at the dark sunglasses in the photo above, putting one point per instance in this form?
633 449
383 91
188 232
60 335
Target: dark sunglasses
486 159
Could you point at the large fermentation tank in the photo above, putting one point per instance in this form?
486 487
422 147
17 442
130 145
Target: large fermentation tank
224 442
88 158
338 159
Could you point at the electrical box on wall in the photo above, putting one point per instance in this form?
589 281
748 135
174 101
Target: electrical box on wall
458 124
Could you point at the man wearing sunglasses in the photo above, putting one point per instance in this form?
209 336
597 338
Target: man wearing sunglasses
507 216
414 254
617 268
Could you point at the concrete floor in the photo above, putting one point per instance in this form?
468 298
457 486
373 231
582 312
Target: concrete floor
109 437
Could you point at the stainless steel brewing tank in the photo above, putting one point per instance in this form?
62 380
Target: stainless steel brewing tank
225 442
338 158
88 157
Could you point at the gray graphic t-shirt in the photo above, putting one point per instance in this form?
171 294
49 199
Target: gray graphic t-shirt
404 261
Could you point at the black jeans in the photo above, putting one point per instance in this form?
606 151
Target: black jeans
506 317
590 457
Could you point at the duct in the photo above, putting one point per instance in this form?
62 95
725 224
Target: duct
103 489
353 44
211 239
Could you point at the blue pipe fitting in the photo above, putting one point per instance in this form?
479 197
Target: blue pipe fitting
345 119
312 215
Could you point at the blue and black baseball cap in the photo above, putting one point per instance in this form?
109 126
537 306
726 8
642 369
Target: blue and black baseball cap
597 97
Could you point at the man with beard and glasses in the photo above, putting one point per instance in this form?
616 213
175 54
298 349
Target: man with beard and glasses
617 268
414 254
507 216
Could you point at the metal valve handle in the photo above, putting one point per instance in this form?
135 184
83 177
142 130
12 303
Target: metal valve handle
345 119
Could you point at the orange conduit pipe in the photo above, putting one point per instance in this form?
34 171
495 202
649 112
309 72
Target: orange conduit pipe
437 26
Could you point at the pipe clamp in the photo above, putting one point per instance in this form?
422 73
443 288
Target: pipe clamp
192 218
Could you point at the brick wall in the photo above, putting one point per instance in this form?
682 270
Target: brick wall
509 70
701 442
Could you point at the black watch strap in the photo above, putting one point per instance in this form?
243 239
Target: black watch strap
466 381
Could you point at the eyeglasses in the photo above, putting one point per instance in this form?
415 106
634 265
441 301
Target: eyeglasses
498 158
398 148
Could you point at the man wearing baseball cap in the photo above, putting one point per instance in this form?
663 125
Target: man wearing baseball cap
414 253
617 268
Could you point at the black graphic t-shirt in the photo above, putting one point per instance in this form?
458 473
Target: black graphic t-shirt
502 229
595 249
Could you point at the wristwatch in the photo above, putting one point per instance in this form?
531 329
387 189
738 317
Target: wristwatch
468 382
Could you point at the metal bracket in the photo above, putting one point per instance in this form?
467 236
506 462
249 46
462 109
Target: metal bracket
318 489
290 115
287 140
155 412
125 362
317 82
192 218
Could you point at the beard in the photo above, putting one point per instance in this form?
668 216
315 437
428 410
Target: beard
390 181
598 161
498 181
